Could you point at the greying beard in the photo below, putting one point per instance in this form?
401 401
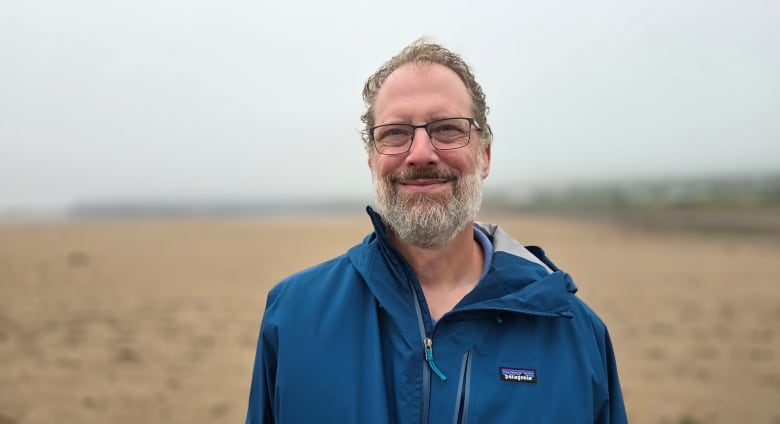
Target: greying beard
429 220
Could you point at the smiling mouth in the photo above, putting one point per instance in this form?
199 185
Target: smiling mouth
424 181
424 186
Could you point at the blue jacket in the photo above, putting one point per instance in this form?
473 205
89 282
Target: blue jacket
345 342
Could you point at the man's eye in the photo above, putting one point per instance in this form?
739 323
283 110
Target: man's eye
445 128
393 133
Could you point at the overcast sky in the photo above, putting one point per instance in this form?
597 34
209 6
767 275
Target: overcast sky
258 100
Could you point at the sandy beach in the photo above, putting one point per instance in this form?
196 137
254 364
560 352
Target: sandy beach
156 321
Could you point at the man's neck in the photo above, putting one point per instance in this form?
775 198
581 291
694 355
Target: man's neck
446 273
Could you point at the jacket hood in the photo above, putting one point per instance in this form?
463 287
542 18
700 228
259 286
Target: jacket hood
520 279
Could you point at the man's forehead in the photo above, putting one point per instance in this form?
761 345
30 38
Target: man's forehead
418 79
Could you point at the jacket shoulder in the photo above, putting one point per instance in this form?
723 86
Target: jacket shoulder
314 281
584 312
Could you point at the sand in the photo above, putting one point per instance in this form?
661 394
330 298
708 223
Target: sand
156 321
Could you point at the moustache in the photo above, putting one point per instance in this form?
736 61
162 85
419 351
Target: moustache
423 174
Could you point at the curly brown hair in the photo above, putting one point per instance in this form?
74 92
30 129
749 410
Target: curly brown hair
422 51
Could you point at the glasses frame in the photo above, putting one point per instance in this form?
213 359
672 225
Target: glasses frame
472 124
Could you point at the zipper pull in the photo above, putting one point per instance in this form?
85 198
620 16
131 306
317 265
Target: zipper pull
428 344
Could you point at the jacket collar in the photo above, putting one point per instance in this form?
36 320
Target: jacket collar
518 280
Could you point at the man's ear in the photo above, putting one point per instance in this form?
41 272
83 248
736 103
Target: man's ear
486 168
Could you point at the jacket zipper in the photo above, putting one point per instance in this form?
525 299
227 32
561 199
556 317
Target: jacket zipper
428 366
461 411
426 371
428 346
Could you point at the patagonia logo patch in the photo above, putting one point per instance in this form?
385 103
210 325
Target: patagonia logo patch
517 375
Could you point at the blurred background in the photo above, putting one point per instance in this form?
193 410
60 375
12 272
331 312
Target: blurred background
256 102
163 164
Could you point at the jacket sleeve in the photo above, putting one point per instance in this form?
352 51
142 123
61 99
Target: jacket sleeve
613 411
261 392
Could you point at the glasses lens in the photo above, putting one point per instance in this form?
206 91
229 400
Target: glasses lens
393 138
450 133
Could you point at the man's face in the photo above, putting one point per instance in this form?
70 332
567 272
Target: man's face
427 196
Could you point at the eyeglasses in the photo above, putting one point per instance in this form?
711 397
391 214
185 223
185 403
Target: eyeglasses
445 134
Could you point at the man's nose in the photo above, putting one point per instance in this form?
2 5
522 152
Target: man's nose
422 151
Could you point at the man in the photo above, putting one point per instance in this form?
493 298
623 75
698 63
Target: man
432 318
